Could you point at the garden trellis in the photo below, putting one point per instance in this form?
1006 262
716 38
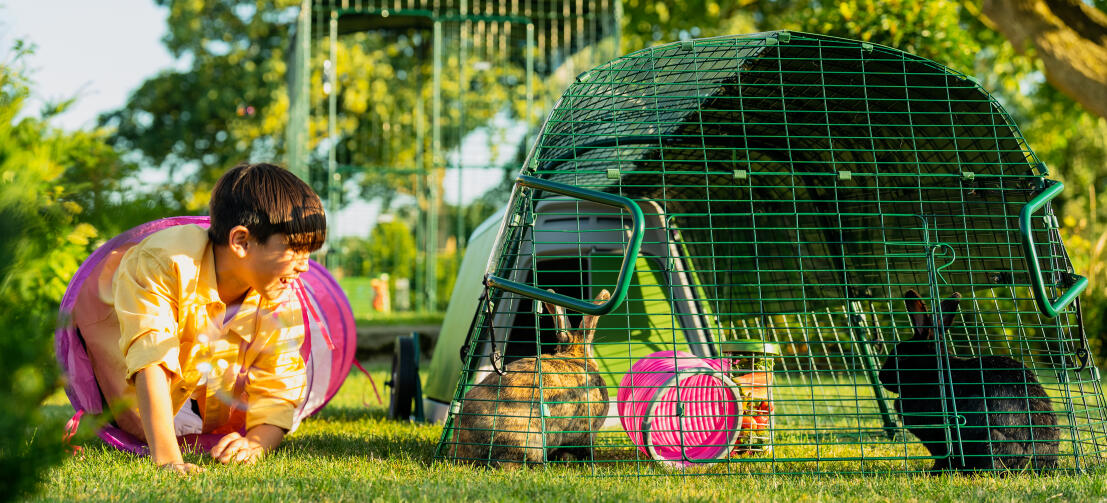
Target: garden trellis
777 217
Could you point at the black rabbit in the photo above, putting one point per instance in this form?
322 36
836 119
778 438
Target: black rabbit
1008 418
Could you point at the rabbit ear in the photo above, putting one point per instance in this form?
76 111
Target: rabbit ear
558 312
920 314
588 324
560 319
949 309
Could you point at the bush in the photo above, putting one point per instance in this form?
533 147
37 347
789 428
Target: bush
45 176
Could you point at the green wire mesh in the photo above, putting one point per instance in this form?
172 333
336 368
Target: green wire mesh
796 190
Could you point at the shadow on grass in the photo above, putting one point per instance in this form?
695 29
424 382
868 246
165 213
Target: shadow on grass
339 413
365 432
372 446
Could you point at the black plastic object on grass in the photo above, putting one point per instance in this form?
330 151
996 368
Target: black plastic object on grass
404 380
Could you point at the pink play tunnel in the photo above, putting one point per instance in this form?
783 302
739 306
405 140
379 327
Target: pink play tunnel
330 340
680 409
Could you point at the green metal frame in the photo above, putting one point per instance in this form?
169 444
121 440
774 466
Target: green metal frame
813 191
1048 307
625 271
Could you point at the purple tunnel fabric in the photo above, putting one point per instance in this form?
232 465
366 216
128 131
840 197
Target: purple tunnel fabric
330 340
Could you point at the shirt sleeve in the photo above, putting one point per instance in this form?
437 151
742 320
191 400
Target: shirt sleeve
146 305
277 381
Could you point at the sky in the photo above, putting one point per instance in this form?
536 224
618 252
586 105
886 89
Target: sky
101 51
96 51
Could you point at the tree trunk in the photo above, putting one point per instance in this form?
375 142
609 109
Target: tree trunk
1071 39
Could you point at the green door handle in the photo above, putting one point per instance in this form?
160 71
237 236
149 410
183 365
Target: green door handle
1037 282
622 284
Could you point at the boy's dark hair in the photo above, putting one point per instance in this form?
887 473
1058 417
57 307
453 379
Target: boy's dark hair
267 199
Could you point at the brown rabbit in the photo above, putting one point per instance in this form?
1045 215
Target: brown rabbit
501 421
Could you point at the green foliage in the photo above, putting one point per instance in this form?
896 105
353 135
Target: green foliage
61 194
30 443
445 270
647 22
47 179
936 29
193 123
384 81
391 249
351 257
233 104
474 213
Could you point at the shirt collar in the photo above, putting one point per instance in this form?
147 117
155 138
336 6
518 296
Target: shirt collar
207 288
244 322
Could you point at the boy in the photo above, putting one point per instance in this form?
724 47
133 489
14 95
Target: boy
207 330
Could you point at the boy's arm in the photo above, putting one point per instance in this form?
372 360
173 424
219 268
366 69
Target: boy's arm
146 293
146 306
152 387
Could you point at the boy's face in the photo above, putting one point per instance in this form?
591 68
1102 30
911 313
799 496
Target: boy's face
272 267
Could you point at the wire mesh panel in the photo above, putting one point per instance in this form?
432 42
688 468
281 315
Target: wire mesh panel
796 253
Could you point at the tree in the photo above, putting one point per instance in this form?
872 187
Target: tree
1070 38
384 80
391 249
351 256
227 107
232 103
646 22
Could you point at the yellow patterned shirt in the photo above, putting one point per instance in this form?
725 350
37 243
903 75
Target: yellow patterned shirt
246 372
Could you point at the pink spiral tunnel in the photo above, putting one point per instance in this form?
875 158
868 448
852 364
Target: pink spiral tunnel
680 409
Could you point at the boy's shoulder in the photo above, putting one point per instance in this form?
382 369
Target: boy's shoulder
177 255
189 240
184 245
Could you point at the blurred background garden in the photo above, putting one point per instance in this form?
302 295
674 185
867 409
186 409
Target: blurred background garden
412 127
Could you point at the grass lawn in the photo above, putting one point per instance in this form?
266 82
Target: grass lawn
360 294
350 452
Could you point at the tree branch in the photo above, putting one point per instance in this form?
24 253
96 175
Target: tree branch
1070 38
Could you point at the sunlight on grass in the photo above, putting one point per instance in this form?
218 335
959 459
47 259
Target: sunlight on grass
351 452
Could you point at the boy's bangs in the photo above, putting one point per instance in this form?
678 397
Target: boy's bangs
306 231
267 199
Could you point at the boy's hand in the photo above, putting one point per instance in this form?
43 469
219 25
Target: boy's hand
181 468
235 448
